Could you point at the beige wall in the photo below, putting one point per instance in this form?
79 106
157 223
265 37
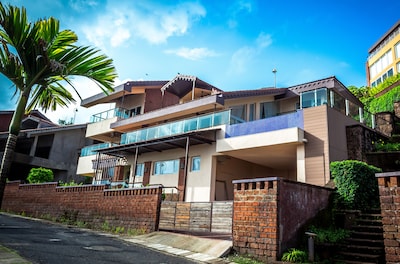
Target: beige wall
326 135
85 166
337 134
316 148
198 183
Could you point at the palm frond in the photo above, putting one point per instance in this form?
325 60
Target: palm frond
49 96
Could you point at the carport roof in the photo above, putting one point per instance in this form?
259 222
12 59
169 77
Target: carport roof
162 144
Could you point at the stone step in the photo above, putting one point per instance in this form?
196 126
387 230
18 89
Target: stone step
373 258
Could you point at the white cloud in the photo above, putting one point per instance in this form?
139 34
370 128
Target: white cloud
153 23
80 5
192 54
241 59
263 40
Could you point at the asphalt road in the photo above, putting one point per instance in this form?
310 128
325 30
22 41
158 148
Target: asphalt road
47 243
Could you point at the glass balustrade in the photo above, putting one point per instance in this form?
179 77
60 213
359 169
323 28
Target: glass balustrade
91 150
115 112
178 127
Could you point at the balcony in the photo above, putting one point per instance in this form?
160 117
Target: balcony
178 127
121 113
274 123
91 150
99 126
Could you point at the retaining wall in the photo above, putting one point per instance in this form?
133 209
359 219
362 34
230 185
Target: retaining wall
269 214
389 192
92 204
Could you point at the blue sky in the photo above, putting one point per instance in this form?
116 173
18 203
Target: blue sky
233 45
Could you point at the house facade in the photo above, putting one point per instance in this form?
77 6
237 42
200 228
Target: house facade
41 143
195 139
384 57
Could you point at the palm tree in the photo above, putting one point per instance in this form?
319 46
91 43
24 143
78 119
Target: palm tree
40 61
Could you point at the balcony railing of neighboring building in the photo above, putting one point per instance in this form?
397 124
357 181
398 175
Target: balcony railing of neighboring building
91 150
115 112
281 121
177 127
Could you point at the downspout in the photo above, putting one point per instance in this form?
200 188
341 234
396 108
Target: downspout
185 168
134 167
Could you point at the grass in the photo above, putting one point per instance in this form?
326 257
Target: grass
245 259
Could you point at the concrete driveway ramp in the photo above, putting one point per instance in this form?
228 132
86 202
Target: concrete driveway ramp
209 246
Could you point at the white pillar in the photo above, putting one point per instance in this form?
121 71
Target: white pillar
301 163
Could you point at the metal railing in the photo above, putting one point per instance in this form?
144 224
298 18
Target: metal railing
115 112
177 127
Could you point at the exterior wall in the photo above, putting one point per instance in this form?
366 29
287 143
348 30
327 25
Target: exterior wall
389 192
130 101
129 208
389 45
325 131
85 166
155 100
316 148
268 214
102 127
198 183
66 147
337 134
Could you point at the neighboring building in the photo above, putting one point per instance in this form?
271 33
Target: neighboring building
42 143
384 57
194 138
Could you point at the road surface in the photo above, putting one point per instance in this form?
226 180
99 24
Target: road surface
42 242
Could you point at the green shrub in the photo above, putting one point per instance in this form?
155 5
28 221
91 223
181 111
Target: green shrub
329 235
357 187
67 184
295 256
39 175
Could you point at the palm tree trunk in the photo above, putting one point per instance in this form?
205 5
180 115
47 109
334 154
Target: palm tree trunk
6 162
15 127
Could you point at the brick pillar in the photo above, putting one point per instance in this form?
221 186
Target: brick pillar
255 229
389 192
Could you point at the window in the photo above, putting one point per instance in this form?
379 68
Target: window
397 50
140 169
268 109
314 98
252 110
390 72
166 167
195 163
398 67
136 111
238 114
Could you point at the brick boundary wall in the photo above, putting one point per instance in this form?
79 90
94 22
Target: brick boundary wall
269 214
389 192
92 204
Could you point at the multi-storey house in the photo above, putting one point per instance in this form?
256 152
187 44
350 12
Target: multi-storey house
194 138
384 57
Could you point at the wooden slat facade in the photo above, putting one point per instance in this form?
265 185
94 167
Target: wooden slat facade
197 216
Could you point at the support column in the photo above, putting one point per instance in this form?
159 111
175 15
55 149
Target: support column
301 163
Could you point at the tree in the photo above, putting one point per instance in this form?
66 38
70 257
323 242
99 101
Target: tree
40 61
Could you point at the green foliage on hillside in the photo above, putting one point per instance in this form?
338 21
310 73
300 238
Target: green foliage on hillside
383 103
